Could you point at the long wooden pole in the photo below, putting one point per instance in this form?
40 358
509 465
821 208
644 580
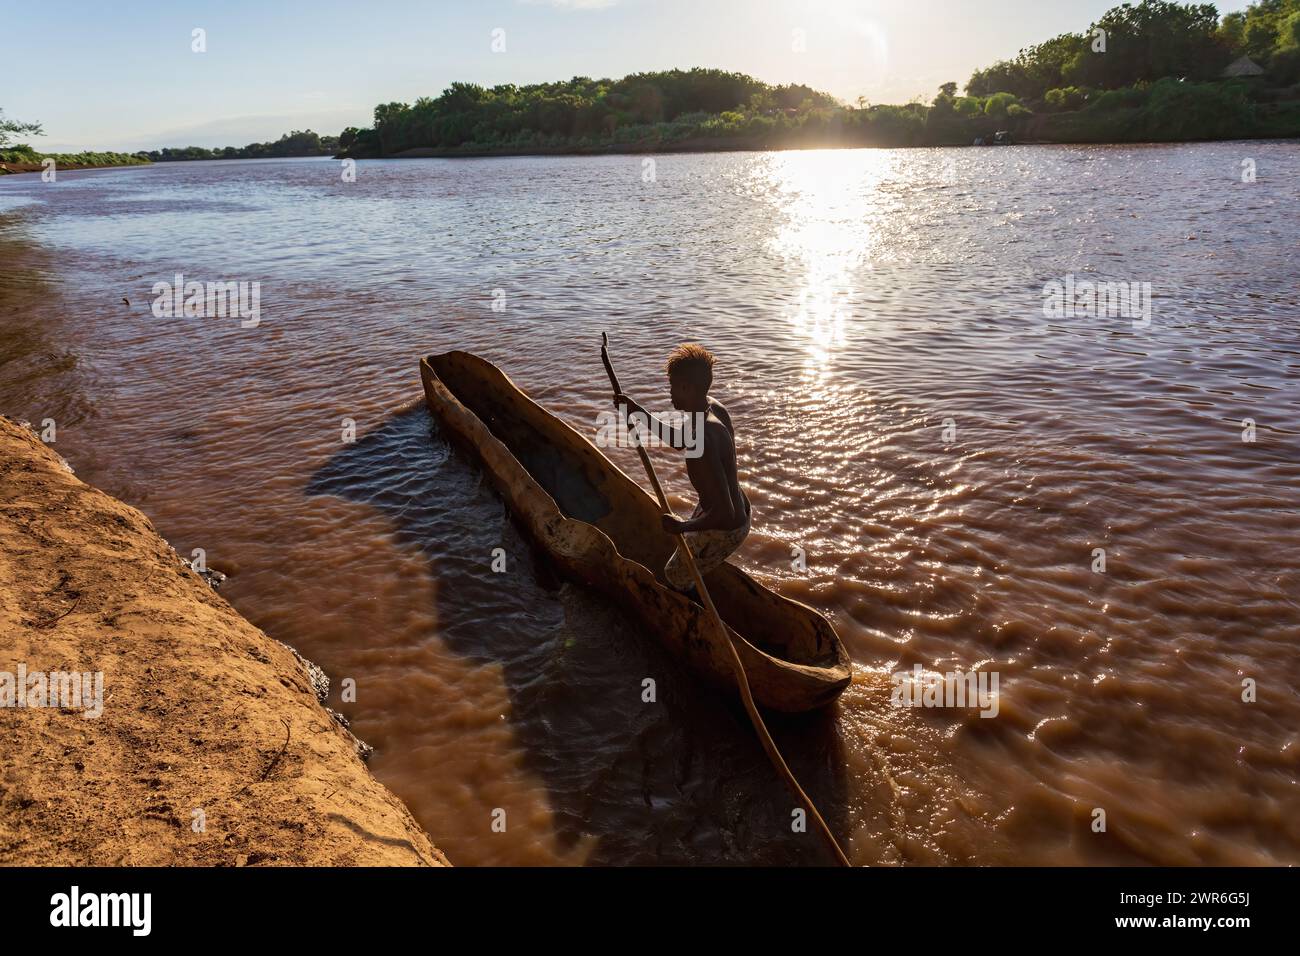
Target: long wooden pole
769 745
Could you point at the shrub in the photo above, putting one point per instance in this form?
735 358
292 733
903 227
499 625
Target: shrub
1129 97
1065 98
998 104
1198 110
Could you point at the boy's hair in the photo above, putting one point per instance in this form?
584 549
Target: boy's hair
694 362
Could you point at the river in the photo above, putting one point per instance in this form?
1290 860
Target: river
1101 509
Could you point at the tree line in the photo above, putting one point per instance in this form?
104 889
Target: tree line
1134 44
1142 71
297 143
1147 70
579 111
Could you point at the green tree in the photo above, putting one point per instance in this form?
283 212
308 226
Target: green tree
1033 72
998 104
11 128
1150 40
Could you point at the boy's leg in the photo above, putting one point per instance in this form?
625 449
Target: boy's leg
710 549
676 573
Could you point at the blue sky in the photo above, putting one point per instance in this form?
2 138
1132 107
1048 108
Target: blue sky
122 75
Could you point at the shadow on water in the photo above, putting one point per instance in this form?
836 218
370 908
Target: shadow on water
681 782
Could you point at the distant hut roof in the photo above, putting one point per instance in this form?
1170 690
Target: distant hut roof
1243 66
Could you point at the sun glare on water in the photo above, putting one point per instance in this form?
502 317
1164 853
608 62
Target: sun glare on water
828 210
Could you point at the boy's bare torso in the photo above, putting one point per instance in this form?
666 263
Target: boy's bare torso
713 474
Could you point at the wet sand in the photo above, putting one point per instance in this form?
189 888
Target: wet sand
205 744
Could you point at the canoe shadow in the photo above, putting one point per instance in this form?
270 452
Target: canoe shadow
677 780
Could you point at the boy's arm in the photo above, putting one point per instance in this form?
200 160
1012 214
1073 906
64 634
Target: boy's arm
672 435
721 414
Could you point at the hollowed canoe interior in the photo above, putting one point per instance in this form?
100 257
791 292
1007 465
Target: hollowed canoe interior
586 486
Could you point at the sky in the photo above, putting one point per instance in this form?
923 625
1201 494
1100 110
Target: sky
123 75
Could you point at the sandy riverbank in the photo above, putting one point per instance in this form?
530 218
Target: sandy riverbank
204 717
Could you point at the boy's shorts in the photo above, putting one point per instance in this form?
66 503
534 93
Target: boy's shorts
710 548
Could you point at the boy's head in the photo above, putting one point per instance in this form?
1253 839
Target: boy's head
690 373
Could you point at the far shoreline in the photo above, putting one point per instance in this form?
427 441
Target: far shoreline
17 169
701 146
730 145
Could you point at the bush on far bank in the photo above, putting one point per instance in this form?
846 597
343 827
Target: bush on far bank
25 154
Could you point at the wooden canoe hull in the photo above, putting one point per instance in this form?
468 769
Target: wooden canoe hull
601 529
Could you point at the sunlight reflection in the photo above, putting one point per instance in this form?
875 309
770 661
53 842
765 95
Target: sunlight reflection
829 212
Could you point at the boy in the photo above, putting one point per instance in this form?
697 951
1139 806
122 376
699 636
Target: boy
720 521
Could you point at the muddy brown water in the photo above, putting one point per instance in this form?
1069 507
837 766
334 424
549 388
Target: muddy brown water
946 459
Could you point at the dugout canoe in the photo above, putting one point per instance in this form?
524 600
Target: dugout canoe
602 529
